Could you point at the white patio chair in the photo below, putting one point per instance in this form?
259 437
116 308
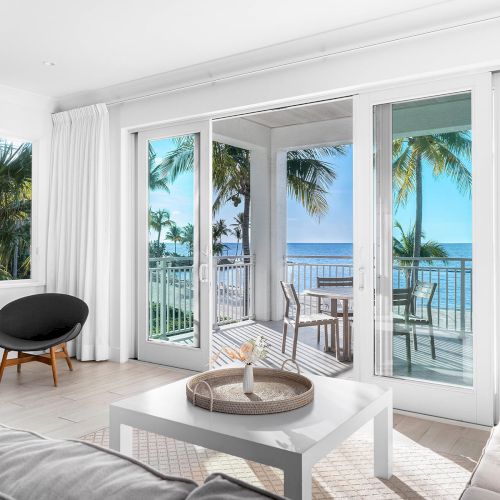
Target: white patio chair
296 319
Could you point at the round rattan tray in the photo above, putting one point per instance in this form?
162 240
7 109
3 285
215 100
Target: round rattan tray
275 391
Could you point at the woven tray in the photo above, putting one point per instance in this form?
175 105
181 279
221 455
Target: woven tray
275 391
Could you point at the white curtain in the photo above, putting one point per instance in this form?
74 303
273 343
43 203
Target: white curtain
78 247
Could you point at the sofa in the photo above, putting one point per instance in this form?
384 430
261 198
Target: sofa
484 483
33 467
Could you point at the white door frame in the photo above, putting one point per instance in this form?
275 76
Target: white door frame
170 353
474 404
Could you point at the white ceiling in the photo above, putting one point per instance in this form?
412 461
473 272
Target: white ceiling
310 113
99 43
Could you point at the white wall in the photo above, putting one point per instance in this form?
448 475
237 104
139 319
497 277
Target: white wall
27 116
460 50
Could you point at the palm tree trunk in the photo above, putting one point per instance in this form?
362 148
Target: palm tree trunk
237 246
175 246
417 244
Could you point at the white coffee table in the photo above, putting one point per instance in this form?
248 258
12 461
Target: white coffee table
292 441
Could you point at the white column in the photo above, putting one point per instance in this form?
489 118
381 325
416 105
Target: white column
278 231
260 230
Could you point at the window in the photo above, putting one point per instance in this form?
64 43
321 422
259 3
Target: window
15 209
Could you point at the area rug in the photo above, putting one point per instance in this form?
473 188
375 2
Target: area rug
347 472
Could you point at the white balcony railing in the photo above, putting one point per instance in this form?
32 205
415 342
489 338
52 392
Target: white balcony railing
171 288
452 302
171 299
234 289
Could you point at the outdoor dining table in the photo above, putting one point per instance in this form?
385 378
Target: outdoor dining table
335 293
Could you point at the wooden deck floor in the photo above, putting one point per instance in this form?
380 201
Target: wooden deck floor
453 361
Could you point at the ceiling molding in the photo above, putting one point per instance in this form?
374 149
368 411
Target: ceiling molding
322 46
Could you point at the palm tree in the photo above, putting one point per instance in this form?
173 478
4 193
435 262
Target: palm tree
15 210
220 229
403 247
238 229
187 237
309 176
175 235
445 153
158 220
218 248
156 180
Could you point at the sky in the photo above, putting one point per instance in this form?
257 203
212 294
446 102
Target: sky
447 214
179 202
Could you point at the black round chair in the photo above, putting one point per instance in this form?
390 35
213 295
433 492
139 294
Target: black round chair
40 322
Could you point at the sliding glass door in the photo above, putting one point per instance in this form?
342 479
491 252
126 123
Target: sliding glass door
432 240
174 245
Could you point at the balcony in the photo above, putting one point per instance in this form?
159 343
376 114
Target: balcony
171 306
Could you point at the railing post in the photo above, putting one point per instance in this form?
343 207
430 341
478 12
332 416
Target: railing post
251 293
462 295
163 303
215 295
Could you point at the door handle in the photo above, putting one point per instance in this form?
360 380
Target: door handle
203 270
361 278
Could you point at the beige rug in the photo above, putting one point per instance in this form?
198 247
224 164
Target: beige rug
345 473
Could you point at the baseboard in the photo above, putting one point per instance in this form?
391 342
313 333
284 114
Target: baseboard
442 420
115 355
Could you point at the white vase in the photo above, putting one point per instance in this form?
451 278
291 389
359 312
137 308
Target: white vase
248 379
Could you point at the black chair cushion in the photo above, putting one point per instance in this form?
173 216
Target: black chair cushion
42 317
15 344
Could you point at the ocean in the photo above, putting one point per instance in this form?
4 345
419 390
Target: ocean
307 261
455 250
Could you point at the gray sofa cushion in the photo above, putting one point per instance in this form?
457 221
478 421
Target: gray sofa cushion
5 497
221 487
475 493
486 474
38 468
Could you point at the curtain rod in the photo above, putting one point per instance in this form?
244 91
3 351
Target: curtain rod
294 63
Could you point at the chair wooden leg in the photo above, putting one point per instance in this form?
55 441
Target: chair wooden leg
295 339
337 340
408 351
333 343
415 338
66 356
319 326
53 364
4 361
326 336
285 328
433 345
19 355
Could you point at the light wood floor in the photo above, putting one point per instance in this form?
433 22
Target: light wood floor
80 404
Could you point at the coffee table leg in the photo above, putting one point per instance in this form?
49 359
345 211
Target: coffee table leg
382 428
120 436
298 483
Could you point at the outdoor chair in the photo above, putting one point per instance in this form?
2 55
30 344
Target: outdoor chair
38 323
296 319
402 297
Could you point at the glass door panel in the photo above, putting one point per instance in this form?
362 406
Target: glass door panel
424 236
424 202
174 245
173 287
